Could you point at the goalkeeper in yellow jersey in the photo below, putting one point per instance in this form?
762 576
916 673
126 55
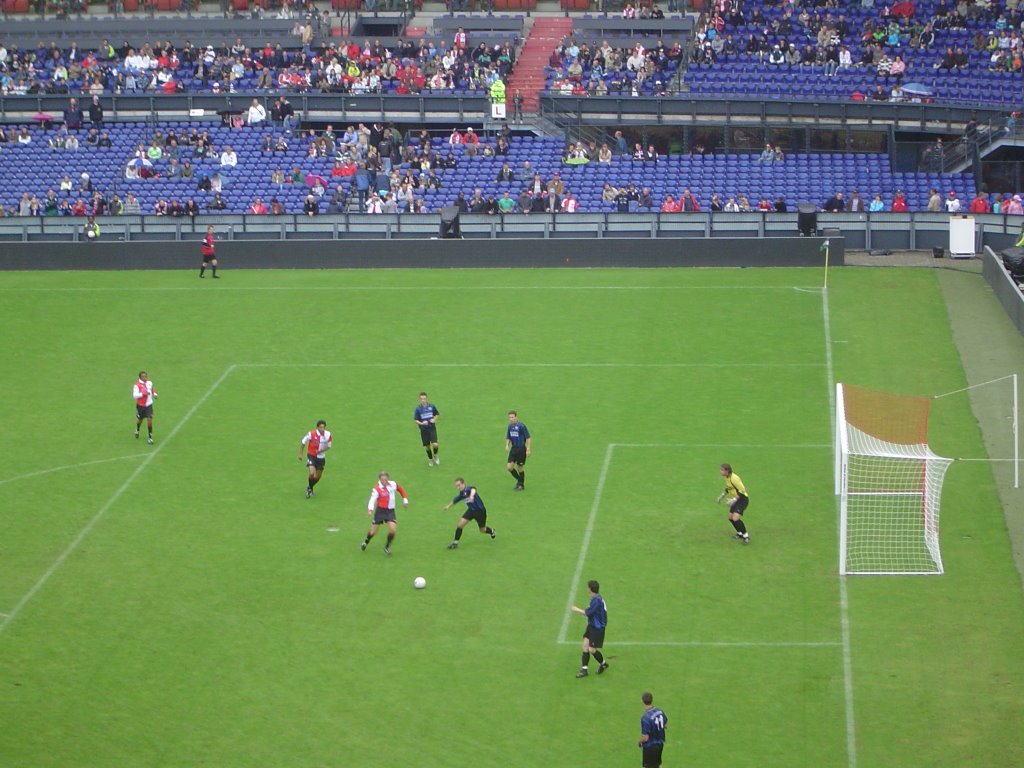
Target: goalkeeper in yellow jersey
735 495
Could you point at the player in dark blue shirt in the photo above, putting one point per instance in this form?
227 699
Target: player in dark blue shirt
652 732
475 510
518 443
597 619
425 415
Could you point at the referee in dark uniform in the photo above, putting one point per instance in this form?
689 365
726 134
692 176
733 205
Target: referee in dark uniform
518 443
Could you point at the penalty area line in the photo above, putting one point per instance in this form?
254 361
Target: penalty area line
716 644
585 544
75 542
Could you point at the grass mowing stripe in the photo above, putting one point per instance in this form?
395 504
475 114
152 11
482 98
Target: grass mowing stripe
844 609
69 466
8 618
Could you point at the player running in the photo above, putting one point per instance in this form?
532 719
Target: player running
475 510
144 394
381 508
316 442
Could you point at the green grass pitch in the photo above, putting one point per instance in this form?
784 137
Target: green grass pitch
184 605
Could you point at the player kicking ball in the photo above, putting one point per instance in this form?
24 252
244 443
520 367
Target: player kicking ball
735 495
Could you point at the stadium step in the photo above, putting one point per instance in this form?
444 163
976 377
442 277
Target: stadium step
528 77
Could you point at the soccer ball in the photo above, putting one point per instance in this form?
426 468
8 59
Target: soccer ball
419 582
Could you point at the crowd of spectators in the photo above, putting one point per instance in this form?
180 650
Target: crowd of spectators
827 37
578 69
409 66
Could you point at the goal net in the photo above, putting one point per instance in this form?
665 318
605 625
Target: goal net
889 483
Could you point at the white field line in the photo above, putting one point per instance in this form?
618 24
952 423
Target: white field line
41 582
585 544
712 644
844 603
418 289
406 364
703 446
69 466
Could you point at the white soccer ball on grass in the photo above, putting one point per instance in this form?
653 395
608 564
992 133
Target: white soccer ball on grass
419 582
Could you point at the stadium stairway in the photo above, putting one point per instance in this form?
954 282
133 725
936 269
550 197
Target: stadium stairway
528 75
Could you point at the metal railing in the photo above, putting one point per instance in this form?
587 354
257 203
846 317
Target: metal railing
896 231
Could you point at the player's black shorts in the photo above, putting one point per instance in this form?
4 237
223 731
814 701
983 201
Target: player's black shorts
144 411
313 461
595 636
208 257
383 516
479 516
428 434
652 756
517 455
740 505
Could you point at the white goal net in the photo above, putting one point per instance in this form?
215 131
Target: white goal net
889 483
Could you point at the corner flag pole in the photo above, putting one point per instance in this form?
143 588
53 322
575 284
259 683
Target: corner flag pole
824 247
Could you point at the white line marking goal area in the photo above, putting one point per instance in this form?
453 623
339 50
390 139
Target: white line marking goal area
588 531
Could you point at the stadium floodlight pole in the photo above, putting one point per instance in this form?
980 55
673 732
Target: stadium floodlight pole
1014 419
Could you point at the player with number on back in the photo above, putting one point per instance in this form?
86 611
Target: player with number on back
144 394
425 415
652 732
316 442
735 495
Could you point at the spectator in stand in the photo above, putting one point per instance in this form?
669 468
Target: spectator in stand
980 204
256 115
834 204
767 155
73 117
934 201
688 202
191 208
1015 207
856 203
257 208
96 112
899 203
952 202
228 158
876 204
669 205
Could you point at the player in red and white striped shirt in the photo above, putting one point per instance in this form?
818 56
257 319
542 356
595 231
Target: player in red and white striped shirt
381 508
316 442
144 394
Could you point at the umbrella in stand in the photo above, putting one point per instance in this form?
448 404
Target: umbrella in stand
917 89
139 162
44 119
313 180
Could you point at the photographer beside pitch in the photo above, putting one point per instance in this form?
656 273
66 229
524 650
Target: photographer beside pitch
735 494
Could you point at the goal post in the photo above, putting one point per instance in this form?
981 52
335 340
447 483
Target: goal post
889 483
